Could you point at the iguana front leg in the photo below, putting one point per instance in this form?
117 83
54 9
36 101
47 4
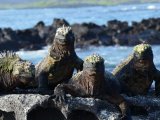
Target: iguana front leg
43 81
70 89
43 69
125 111
78 64
62 89
157 83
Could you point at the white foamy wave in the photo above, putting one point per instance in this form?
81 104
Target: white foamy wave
128 8
113 55
134 8
33 56
151 7
124 9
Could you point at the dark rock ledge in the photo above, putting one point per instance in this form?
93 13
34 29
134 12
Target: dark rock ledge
41 107
114 32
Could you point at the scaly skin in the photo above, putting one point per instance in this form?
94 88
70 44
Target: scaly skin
59 64
138 71
14 72
92 81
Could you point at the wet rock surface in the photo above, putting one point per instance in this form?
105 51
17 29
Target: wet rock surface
113 33
40 107
20 104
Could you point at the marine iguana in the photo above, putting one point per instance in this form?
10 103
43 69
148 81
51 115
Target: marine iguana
14 72
138 71
59 64
92 81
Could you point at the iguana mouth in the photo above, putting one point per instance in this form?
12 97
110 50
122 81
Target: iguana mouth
94 70
95 66
65 39
142 64
62 41
142 68
26 76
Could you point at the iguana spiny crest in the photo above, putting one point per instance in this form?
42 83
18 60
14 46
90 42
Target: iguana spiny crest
95 62
64 35
141 48
94 58
63 31
143 51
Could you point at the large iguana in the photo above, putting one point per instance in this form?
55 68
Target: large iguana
14 72
138 71
92 81
59 64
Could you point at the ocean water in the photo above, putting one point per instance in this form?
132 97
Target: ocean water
27 18
113 55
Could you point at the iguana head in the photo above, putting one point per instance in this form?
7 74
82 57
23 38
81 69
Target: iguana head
94 63
24 71
143 56
64 35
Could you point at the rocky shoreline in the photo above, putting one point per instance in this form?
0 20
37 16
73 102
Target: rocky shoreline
113 33
40 107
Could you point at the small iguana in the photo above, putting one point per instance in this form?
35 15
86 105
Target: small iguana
14 72
138 71
59 64
92 81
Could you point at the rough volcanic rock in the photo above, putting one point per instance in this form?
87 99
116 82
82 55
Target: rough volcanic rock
89 34
115 32
8 39
21 104
40 107
30 39
115 27
59 23
42 29
52 29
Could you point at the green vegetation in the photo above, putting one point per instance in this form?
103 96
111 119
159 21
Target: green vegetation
65 3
